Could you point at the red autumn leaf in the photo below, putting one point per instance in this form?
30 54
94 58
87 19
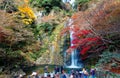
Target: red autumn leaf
90 39
77 34
84 50
75 41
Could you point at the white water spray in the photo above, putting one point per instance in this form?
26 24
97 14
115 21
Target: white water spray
75 61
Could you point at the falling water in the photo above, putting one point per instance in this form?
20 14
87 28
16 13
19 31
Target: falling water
74 61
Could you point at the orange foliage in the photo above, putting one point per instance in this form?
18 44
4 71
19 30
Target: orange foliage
104 15
115 70
75 16
99 17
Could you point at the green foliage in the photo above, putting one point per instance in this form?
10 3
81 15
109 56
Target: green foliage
47 27
37 54
11 53
44 32
8 5
47 5
115 42
107 57
57 9
81 2
44 28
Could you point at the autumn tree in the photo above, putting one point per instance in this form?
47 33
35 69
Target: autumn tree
96 29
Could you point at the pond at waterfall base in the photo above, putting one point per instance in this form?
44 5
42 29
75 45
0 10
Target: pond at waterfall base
40 69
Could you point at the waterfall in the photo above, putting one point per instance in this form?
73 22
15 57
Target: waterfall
74 61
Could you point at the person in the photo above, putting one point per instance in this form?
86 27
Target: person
52 75
20 76
61 69
42 77
35 74
77 75
63 75
48 76
57 75
56 69
45 75
72 74
46 69
92 72
80 73
85 73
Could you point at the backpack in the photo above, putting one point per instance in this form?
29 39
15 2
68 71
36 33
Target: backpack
93 72
64 76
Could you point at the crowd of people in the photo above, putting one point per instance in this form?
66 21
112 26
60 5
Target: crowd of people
59 72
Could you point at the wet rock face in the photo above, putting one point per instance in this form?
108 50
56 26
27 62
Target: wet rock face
47 59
